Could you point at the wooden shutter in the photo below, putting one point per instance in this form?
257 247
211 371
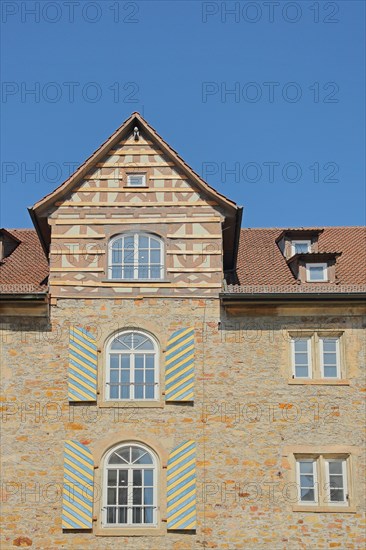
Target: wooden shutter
181 487
179 366
82 365
77 509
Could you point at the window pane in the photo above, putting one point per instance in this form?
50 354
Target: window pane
330 372
337 495
335 467
336 481
307 495
120 454
139 361
150 391
137 496
143 257
330 358
329 345
148 478
136 515
148 496
116 272
143 272
143 241
116 256
125 377
155 257
114 361
128 256
155 243
150 361
125 362
112 496
113 392
155 273
307 481
306 467
301 372
128 241
149 515
122 495
127 273
112 477
301 358
114 376
111 515
123 474
149 376
125 392
139 456
137 477
122 515
301 345
316 273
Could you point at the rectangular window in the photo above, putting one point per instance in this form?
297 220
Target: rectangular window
316 273
301 353
136 180
329 357
317 356
300 247
307 480
322 480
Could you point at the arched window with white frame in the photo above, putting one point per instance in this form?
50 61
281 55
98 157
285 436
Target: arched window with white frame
132 367
130 486
136 256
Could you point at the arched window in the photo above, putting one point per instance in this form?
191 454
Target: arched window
130 482
136 256
132 367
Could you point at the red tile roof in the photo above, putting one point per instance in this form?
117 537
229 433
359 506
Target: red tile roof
261 266
25 269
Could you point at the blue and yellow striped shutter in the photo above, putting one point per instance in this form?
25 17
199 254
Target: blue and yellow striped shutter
77 509
82 365
181 487
179 366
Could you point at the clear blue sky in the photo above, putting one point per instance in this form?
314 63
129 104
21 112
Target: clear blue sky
292 130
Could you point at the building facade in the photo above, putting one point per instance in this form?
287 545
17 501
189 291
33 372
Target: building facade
172 381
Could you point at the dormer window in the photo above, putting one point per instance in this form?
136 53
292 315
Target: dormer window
136 180
300 247
316 273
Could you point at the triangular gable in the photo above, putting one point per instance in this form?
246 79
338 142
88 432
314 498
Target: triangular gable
231 227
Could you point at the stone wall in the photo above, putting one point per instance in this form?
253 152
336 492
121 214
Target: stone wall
245 417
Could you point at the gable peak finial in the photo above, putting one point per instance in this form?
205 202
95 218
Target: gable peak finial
136 133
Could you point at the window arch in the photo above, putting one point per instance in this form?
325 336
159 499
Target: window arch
132 367
136 256
130 486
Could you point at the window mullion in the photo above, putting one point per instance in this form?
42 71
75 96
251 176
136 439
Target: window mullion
132 375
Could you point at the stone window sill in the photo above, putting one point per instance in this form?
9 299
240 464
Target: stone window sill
319 382
324 509
132 404
129 532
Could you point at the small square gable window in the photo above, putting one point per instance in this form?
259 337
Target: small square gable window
300 247
316 272
136 180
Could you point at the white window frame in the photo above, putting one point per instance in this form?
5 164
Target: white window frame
300 241
314 461
309 352
132 353
327 487
321 358
135 253
130 467
143 180
325 272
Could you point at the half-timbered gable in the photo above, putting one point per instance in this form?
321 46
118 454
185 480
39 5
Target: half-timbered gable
135 184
